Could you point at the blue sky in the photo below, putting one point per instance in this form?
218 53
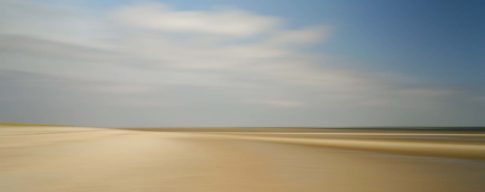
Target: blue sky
437 40
243 63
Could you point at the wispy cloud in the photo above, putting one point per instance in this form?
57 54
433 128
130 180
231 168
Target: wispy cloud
232 23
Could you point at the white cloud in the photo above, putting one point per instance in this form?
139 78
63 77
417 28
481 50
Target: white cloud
305 36
234 23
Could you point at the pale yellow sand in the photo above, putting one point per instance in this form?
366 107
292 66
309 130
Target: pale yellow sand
84 159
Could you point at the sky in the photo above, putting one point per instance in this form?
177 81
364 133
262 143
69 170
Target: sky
252 63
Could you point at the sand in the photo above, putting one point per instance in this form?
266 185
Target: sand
93 159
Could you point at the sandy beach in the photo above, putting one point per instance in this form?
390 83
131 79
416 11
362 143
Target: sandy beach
95 159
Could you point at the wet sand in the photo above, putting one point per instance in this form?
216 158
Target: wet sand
88 159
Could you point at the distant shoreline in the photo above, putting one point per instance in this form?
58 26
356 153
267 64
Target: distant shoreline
308 129
277 129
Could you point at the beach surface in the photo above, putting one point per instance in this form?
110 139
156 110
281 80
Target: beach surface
50 158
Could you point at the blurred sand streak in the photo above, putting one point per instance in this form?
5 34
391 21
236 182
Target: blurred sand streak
463 149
